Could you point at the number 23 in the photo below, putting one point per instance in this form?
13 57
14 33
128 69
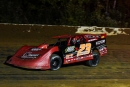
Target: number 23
84 49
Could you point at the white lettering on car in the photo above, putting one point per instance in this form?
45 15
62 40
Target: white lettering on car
100 42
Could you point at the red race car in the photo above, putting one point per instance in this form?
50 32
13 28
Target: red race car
67 49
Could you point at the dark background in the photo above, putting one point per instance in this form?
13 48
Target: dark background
108 13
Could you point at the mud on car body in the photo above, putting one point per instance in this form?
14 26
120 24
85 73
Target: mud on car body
67 49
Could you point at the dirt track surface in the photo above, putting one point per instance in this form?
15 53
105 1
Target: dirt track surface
112 71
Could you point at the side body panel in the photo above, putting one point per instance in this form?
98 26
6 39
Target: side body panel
41 62
83 48
101 46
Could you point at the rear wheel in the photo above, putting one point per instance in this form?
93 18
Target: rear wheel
55 62
94 61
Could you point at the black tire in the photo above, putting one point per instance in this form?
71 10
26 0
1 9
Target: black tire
94 61
55 62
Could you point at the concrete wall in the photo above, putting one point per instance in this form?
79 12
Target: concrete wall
108 30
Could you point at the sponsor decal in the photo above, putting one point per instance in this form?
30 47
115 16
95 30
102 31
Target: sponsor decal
36 49
89 36
75 58
101 46
29 55
102 49
100 42
70 49
69 56
91 40
83 50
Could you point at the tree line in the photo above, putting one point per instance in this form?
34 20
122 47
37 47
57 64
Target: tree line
108 13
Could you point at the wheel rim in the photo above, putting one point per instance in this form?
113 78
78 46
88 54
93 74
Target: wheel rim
55 64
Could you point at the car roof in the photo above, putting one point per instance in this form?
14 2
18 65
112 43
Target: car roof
68 36
63 36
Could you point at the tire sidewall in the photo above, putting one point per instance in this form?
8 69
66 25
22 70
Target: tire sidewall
96 58
94 62
57 59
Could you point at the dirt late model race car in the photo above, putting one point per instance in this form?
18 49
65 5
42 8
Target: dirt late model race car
67 49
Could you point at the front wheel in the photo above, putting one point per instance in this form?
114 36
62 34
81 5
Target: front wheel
55 62
94 61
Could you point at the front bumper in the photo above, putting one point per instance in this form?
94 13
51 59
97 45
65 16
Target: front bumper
29 63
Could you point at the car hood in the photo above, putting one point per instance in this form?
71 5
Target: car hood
32 52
